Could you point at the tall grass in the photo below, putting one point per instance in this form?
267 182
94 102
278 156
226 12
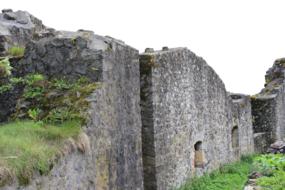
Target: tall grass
16 51
27 146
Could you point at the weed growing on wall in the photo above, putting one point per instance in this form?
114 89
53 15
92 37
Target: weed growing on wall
16 51
5 67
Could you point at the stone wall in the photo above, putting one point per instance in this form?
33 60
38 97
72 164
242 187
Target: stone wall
19 28
114 128
268 108
242 120
157 119
185 107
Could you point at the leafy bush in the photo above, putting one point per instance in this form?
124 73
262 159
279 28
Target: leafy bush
268 163
34 114
16 51
272 166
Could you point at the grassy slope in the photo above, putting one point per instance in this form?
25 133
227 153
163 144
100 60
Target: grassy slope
27 146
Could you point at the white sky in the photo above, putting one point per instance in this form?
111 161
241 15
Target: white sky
240 39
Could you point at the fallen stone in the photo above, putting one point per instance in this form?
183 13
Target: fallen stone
277 148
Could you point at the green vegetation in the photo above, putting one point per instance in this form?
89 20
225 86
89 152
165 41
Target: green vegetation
234 176
229 177
272 167
48 115
53 101
16 51
5 68
26 146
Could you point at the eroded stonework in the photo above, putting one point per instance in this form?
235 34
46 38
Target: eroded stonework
268 108
158 118
184 102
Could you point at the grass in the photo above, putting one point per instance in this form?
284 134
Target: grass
27 146
234 176
16 51
229 177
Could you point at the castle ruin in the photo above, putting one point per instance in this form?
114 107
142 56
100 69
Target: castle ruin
158 118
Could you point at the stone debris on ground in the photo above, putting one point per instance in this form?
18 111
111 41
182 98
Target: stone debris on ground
277 147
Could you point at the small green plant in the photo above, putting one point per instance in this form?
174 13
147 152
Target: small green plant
10 84
15 80
16 51
61 114
5 67
35 86
33 78
5 88
34 114
61 84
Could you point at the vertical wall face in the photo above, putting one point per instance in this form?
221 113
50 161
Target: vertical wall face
268 108
117 122
147 115
242 132
184 103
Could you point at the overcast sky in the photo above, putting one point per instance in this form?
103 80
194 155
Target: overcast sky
240 39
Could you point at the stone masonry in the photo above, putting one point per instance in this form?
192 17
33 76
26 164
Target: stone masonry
158 118
184 102
113 131
269 108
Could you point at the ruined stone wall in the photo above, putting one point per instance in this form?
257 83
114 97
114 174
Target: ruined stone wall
114 159
268 109
19 28
242 120
185 107
184 125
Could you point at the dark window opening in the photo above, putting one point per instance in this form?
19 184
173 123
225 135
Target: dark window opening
199 157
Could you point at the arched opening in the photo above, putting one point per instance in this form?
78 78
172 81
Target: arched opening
199 157
235 137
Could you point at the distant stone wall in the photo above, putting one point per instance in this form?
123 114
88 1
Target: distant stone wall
187 118
242 120
268 108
